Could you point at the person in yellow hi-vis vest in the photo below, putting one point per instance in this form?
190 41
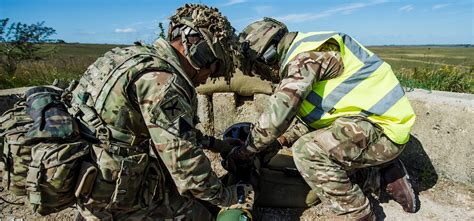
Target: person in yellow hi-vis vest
353 118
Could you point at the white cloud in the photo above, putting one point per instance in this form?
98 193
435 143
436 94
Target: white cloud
300 17
439 6
233 2
343 9
125 30
406 8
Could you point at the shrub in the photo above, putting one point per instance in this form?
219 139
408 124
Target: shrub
445 78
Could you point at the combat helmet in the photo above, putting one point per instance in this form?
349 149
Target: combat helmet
216 38
259 43
259 40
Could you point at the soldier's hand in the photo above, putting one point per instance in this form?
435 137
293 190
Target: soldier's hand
226 145
240 196
239 158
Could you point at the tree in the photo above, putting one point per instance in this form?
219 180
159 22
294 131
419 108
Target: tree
19 42
162 30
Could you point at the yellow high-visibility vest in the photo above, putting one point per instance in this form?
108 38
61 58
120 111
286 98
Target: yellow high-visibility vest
367 87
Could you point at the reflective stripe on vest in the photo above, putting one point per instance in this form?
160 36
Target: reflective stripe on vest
366 87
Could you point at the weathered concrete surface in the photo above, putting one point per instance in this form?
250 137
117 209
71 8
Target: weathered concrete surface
204 112
445 129
223 106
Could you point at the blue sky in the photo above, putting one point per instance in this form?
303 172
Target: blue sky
372 22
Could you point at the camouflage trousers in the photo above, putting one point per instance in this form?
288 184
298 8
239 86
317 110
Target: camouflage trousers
173 208
327 157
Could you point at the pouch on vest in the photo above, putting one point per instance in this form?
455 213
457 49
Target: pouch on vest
125 182
52 175
87 176
130 179
16 153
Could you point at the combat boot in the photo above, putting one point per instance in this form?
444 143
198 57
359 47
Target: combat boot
397 185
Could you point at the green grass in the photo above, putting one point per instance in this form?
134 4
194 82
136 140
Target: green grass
428 67
431 67
68 62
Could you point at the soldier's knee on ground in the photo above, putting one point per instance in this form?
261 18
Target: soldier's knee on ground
312 199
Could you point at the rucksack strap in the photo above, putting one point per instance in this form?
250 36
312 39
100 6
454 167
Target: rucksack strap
102 132
112 79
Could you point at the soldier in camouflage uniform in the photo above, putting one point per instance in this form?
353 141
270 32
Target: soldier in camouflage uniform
140 95
351 114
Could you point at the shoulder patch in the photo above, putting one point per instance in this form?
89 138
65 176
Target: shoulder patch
173 108
173 113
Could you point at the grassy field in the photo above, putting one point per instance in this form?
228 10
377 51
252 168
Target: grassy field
429 67
68 62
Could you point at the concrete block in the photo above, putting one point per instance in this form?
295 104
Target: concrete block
204 113
224 111
246 109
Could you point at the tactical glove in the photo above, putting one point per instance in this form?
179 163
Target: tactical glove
219 146
240 158
225 146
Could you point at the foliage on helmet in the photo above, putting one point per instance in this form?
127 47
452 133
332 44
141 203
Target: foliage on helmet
214 27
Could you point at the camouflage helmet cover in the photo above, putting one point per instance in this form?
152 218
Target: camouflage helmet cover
215 30
257 36
255 41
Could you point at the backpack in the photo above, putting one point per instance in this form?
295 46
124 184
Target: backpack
42 150
16 152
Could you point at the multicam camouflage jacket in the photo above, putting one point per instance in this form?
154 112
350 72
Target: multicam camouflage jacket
296 83
141 93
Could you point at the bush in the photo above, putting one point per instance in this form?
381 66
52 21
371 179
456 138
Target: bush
30 73
21 42
445 78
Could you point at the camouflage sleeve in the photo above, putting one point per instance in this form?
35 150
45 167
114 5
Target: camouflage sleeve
168 117
295 131
302 72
